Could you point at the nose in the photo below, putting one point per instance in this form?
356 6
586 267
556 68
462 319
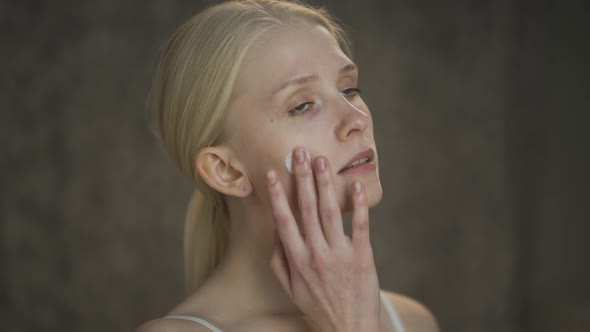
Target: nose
353 121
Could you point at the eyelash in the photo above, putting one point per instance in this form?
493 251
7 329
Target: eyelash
352 92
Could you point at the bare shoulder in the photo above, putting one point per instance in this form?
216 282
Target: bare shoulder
414 315
171 325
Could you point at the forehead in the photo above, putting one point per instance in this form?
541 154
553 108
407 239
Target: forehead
289 51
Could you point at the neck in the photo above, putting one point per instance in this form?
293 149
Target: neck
244 273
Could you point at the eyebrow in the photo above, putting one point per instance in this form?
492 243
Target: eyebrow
313 77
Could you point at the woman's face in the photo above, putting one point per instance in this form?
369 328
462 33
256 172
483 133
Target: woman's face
298 89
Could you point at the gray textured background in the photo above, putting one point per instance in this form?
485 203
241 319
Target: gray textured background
481 116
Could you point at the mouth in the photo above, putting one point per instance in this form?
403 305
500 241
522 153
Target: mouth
365 157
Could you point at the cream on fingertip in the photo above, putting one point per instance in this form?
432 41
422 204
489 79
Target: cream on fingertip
289 160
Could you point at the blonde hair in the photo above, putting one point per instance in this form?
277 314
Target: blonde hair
191 90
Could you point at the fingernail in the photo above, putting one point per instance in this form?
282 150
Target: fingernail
271 176
320 164
356 187
299 156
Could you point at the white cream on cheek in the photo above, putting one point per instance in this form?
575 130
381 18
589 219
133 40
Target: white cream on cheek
289 160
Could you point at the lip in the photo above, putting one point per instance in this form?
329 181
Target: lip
368 153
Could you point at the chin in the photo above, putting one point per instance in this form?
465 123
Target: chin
373 191
374 194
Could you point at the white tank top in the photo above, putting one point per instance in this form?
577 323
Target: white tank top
395 320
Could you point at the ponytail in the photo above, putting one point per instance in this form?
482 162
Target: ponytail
206 236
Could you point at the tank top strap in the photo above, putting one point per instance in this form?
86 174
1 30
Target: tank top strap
392 313
196 320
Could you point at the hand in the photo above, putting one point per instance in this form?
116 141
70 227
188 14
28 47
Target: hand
329 276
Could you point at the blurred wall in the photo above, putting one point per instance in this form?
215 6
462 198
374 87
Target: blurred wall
549 153
479 110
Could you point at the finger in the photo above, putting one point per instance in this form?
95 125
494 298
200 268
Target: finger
330 215
285 224
280 267
306 197
360 216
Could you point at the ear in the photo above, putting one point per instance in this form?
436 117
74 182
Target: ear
219 168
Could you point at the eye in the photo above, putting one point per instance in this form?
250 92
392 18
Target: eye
301 108
351 92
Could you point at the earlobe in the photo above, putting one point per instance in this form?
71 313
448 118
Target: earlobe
220 170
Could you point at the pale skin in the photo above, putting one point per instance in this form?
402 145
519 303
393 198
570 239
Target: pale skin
290 266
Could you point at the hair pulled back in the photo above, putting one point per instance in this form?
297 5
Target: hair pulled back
191 90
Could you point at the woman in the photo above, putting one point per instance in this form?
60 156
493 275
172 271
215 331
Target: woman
257 101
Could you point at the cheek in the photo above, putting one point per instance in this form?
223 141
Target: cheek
268 146
260 161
